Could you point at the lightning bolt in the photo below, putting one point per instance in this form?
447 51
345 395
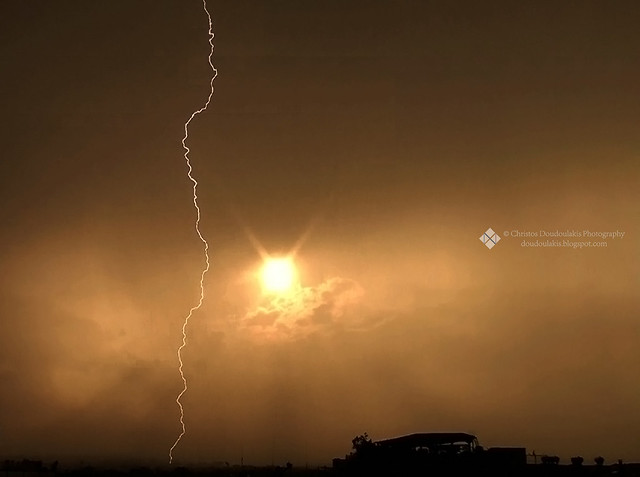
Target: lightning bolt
200 236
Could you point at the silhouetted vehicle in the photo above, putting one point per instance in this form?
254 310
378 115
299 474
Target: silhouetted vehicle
550 460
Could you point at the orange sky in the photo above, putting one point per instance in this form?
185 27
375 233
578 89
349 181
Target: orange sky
393 134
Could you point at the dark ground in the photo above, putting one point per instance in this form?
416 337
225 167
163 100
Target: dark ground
530 470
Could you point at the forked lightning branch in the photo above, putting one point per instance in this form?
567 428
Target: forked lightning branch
205 244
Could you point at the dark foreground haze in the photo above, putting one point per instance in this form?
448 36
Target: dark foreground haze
379 140
222 470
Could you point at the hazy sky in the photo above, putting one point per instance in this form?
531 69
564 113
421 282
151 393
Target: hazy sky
390 135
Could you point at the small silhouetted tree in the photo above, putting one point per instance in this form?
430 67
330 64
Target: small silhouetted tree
362 444
577 461
599 461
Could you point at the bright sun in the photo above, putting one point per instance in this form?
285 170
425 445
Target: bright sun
278 275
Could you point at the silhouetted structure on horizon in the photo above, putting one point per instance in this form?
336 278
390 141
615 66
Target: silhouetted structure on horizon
435 443
432 452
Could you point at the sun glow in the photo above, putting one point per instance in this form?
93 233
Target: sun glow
278 275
